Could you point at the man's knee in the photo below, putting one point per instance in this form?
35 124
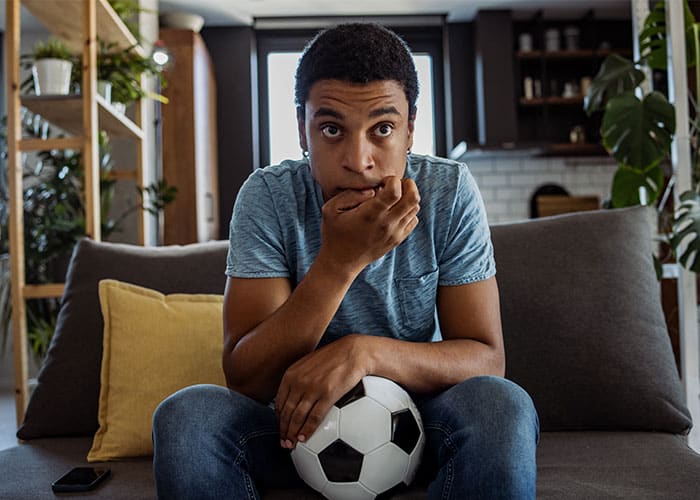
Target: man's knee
184 403
490 401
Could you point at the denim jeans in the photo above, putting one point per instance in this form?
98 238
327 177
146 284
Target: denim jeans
211 442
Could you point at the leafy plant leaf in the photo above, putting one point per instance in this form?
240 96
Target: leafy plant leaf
638 133
628 181
685 237
616 76
652 39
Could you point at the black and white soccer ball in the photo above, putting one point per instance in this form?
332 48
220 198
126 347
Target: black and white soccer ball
370 441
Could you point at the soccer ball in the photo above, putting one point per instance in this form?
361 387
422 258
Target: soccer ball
370 441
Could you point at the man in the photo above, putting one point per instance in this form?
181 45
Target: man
337 266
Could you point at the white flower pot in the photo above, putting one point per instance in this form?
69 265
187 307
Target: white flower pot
52 76
120 107
104 88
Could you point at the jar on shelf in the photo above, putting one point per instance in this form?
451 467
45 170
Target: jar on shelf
551 40
525 42
528 88
572 37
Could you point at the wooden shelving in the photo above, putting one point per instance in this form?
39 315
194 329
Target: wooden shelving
574 149
66 112
553 101
559 54
64 18
78 23
571 54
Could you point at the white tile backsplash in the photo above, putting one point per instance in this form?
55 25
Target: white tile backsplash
507 184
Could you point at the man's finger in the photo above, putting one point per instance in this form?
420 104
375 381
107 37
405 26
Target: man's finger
409 202
389 193
297 420
285 415
349 199
313 420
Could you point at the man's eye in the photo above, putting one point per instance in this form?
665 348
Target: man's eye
330 131
383 130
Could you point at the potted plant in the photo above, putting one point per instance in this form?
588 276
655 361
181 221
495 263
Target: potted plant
51 68
123 68
637 132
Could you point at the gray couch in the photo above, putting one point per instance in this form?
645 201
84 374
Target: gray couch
584 334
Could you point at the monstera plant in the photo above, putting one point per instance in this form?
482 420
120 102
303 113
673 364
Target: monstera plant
638 131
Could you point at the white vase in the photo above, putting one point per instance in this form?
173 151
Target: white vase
104 88
52 76
120 107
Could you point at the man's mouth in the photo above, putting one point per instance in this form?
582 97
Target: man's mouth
360 188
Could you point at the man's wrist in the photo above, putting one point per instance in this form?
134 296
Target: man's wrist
364 348
336 269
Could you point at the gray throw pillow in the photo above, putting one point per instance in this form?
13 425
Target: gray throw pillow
65 401
584 329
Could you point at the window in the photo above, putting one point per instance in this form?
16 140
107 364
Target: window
278 54
282 138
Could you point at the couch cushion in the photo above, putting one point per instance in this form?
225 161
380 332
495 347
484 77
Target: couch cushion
584 330
29 469
639 465
570 465
64 402
153 346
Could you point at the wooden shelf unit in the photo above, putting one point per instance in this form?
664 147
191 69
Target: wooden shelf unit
66 112
77 23
64 19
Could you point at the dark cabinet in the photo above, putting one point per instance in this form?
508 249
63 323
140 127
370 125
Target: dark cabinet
554 63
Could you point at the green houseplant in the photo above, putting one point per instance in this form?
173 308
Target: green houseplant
54 219
638 133
127 10
123 68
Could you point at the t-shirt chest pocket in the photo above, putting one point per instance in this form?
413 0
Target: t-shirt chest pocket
417 297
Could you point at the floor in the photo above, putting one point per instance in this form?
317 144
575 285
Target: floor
8 424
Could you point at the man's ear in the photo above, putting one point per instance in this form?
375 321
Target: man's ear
301 128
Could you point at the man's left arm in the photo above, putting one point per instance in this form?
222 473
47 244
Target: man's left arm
472 345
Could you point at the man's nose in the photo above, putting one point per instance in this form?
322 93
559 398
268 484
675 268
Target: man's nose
358 154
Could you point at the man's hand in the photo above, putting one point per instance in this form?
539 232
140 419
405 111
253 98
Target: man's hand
313 384
362 226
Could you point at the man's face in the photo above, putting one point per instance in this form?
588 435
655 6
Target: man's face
356 134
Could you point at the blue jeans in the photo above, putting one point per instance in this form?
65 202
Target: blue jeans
211 442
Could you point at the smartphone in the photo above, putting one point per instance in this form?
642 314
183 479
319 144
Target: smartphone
80 479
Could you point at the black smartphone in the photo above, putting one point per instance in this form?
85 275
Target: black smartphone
80 479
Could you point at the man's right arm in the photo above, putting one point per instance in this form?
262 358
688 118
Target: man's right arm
267 327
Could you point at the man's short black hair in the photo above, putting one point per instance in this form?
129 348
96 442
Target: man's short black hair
357 53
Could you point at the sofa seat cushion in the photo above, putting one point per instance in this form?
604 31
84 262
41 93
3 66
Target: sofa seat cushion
28 470
639 465
570 465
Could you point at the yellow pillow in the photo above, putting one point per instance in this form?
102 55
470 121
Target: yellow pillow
154 345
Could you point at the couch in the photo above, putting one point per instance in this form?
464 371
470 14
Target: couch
584 334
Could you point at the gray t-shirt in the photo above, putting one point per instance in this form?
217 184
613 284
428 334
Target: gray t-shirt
276 232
